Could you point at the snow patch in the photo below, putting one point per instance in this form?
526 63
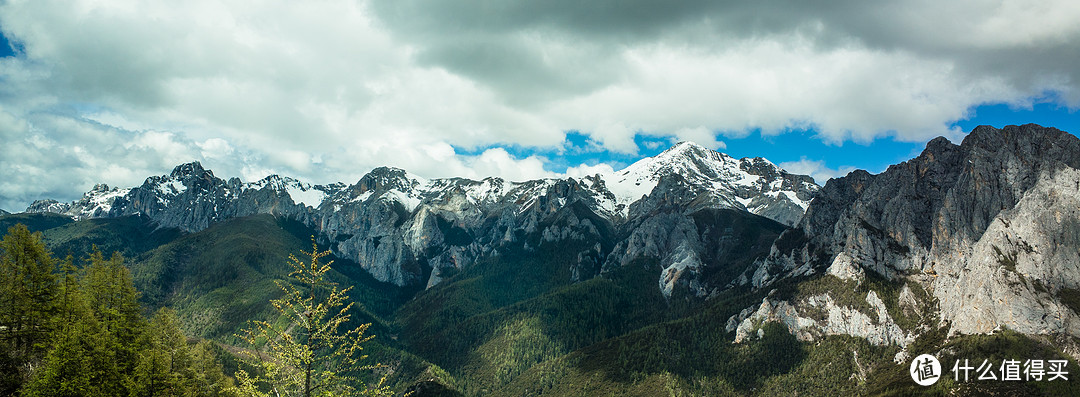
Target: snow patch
405 199
744 201
304 195
362 197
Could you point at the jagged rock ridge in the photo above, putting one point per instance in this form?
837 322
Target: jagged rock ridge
407 230
990 229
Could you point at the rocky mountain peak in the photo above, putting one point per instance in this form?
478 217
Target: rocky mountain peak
193 168
760 166
939 145
275 182
99 188
685 149
1029 141
984 227
47 205
395 223
382 179
685 158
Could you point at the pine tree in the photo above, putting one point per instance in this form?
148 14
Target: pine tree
209 377
68 295
27 305
306 354
79 363
28 287
165 362
112 301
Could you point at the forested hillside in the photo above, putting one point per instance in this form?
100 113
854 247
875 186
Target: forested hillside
511 325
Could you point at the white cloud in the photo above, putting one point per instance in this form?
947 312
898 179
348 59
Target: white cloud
497 161
584 170
702 136
846 93
816 169
215 148
328 90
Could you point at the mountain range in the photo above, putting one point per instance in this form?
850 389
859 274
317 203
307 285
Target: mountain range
688 272
407 230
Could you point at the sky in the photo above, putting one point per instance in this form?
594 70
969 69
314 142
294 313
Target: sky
114 91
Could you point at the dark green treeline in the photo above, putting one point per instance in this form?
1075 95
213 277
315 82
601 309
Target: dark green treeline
71 331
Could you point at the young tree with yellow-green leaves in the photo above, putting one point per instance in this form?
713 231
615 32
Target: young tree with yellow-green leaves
306 353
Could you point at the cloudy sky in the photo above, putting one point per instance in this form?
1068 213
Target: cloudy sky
116 90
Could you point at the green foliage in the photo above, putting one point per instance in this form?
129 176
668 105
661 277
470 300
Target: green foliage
79 363
853 294
132 236
27 300
677 358
488 325
222 277
35 222
1007 344
170 366
1071 298
89 331
307 355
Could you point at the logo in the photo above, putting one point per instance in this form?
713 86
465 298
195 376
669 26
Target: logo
925 370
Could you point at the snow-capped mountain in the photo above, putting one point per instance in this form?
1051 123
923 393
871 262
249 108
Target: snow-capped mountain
397 224
753 184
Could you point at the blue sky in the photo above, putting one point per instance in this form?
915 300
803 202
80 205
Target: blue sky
6 49
112 92
791 146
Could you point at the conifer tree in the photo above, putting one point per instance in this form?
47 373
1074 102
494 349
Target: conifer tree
209 377
28 288
82 332
27 304
112 298
79 363
165 362
306 353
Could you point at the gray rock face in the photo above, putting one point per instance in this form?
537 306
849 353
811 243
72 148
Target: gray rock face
406 230
987 227
48 205
1012 276
879 329
715 180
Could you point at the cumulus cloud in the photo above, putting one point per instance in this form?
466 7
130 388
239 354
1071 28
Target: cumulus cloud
48 156
584 170
328 90
815 169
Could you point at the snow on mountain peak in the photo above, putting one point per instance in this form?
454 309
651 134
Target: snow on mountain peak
692 161
752 184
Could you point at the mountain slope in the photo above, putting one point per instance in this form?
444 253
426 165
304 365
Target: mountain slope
491 322
220 278
410 231
132 236
36 222
223 276
582 286
987 228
